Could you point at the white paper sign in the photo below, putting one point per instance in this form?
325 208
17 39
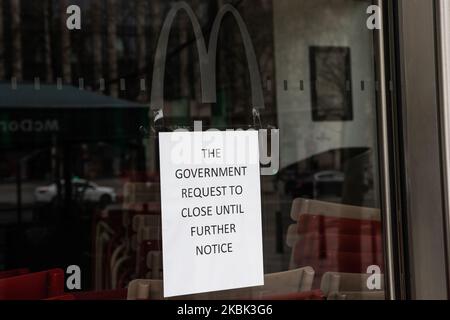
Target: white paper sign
211 211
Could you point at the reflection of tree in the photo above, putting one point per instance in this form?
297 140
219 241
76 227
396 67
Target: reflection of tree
233 69
240 70
16 39
47 41
261 28
93 53
2 44
184 57
223 76
111 35
96 26
202 10
332 71
141 42
66 66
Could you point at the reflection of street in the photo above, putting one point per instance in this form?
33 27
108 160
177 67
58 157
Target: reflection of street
8 198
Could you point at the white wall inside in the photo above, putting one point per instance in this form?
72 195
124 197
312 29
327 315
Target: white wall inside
298 25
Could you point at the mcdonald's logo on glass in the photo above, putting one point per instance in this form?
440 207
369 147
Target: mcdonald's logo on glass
208 56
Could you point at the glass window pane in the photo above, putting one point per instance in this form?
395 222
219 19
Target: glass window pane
79 105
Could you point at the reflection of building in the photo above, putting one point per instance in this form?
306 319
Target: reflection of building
120 63
134 43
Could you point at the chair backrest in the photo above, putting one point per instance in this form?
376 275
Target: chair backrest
298 280
146 241
339 285
119 233
281 283
334 237
302 206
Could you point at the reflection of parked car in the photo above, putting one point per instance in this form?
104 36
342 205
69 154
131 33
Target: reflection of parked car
89 191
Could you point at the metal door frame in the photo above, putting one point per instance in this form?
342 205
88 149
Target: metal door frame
416 240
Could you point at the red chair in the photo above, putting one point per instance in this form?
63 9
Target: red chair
328 224
337 244
315 242
13 273
145 247
116 257
33 286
